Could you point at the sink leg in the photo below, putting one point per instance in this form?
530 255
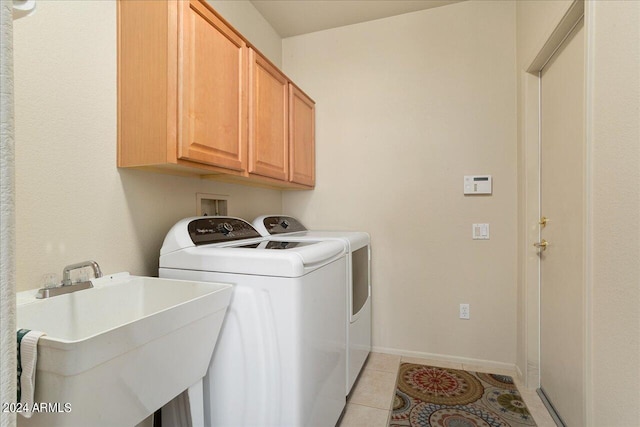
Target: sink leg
196 404
185 407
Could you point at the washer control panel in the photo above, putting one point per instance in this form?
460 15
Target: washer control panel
282 224
220 229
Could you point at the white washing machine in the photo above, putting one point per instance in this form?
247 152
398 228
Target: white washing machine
358 246
281 354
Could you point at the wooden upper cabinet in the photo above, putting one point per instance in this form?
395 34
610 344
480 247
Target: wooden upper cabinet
212 96
194 97
302 154
268 119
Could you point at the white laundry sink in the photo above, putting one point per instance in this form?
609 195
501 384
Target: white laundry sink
121 350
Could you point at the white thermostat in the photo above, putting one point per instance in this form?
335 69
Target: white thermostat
477 184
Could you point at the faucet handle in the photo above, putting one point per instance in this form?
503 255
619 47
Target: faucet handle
83 275
50 280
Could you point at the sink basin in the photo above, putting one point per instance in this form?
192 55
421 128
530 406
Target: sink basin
121 350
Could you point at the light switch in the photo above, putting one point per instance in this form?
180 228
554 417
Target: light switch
480 232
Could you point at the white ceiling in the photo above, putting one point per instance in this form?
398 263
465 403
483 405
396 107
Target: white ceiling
294 17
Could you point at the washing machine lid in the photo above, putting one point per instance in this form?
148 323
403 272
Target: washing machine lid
276 244
243 258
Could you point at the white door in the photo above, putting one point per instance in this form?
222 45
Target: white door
562 190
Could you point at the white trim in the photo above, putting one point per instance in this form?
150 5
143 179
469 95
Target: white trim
589 26
539 281
557 37
530 146
488 364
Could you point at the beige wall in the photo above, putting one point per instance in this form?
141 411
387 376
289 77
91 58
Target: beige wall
615 212
72 202
406 106
245 18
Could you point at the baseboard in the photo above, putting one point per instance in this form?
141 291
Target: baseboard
520 375
526 382
488 364
533 375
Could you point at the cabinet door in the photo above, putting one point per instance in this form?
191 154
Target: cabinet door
302 154
212 97
268 133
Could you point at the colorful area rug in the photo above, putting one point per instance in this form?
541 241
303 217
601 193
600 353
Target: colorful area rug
427 396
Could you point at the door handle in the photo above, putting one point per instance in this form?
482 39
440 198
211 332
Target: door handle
541 245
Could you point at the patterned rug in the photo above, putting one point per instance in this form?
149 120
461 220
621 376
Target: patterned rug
427 396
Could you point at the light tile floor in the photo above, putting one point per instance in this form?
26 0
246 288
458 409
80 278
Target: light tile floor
371 399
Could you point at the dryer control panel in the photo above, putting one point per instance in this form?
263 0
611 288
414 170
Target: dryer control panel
282 224
219 229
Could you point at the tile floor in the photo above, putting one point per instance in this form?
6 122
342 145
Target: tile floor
372 396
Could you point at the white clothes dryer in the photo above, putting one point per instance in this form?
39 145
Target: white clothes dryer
281 354
358 247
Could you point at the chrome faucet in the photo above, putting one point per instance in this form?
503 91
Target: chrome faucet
66 272
66 286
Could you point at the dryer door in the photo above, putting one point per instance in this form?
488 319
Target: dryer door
360 289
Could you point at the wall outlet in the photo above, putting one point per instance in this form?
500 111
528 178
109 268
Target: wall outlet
464 311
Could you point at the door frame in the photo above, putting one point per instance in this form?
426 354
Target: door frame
530 188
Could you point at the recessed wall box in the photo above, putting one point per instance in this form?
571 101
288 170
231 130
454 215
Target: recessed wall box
211 204
478 184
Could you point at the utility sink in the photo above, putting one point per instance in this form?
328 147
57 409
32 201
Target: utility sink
121 350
